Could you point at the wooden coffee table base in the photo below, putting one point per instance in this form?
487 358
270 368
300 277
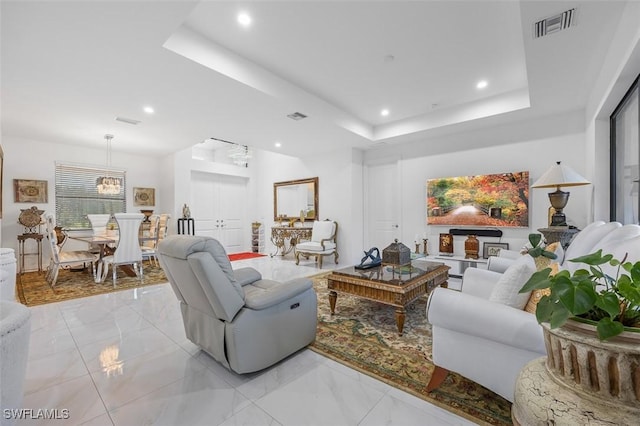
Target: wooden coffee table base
398 295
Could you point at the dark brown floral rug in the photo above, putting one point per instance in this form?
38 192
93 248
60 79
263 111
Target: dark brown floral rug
363 335
32 288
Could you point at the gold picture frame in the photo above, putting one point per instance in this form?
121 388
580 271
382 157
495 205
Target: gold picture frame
30 191
144 196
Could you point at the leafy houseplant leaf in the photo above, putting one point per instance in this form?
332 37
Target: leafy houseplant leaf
608 328
593 259
540 279
577 299
534 240
544 309
608 302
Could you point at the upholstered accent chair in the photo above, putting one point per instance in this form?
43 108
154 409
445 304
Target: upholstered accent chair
128 251
244 322
15 330
482 331
323 242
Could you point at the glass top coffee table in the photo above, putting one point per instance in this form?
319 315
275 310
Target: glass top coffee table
394 286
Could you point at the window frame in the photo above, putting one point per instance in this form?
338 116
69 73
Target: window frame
75 189
616 147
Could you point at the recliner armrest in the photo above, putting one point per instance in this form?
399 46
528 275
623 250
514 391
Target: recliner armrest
246 275
263 294
474 316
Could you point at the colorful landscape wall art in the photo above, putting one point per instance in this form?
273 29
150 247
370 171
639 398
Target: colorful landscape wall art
498 200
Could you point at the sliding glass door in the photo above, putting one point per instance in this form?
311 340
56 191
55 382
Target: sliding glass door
625 158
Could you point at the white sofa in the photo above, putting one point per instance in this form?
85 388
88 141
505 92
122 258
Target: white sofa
15 330
489 342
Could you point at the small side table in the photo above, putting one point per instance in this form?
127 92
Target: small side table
21 253
190 226
563 234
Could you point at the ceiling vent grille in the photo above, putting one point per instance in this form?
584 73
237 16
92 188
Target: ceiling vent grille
296 116
555 23
128 120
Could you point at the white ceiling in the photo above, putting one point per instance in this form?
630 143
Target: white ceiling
69 68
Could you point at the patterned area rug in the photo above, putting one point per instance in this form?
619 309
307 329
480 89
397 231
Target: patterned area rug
363 335
33 289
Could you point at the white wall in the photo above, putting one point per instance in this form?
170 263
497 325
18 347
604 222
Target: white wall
28 159
536 155
340 193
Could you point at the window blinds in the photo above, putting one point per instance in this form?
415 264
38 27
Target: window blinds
77 196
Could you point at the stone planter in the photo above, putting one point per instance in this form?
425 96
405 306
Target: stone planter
607 371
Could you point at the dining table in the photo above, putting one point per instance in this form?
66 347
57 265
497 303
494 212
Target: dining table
107 244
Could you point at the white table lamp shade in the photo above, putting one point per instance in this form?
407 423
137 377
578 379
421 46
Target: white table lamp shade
560 175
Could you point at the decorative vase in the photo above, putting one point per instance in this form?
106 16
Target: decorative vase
604 370
471 247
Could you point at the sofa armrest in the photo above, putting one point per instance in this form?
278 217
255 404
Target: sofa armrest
509 254
479 282
263 294
475 316
246 276
499 264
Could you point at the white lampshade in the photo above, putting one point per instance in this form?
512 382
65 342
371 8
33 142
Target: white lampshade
560 175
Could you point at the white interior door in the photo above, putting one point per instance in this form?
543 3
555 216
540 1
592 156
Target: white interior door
218 205
231 211
382 206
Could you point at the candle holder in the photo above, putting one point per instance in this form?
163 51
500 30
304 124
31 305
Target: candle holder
417 248
424 242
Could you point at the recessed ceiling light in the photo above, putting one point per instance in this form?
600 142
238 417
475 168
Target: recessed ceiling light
278 144
384 112
482 84
244 19
148 110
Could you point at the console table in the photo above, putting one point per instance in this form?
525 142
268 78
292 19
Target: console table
285 238
462 262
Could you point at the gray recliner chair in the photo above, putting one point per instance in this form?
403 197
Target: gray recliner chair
243 321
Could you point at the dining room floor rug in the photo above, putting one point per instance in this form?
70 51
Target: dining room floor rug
363 335
244 255
32 287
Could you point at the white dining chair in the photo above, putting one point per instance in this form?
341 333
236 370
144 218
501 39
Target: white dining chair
150 243
64 259
128 251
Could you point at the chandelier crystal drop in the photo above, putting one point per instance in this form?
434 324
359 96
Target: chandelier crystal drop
107 185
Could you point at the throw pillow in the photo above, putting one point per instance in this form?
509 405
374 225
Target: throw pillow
536 295
507 289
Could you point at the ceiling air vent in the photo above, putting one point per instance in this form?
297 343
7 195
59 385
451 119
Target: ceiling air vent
128 120
296 116
555 23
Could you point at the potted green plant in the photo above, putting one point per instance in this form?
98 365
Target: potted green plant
538 248
590 324
611 303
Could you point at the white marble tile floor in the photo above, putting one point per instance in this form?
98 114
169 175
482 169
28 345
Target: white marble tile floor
123 359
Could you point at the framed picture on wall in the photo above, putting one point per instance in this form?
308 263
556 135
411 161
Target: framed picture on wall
144 196
493 249
30 191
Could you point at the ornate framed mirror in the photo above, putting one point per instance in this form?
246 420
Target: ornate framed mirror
295 199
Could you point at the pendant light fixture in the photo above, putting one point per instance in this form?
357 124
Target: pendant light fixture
107 185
